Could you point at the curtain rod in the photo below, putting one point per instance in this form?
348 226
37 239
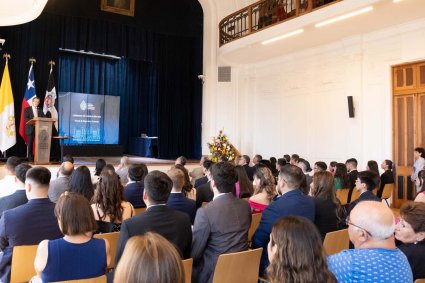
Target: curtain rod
90 53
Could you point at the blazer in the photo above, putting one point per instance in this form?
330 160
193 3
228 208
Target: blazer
14 200
169 223
27 224
57 187
368 195
249 171
204 193
201 181
133 193
220 227
291 203
181 203
28 115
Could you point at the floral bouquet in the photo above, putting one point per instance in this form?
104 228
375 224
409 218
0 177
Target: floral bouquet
221 146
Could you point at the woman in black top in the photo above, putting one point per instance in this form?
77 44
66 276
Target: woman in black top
410 230
387 177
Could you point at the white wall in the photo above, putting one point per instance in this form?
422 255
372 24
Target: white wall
298 103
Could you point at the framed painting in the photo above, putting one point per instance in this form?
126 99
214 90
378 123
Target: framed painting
123 7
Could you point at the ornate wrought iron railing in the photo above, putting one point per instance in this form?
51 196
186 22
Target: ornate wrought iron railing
263 14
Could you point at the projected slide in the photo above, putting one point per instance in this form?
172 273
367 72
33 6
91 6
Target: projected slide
89 118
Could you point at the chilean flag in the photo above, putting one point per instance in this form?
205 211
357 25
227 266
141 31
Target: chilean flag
27 101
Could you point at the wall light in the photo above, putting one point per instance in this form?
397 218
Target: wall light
286 35
343 17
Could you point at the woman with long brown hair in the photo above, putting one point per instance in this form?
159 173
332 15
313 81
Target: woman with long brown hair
328 208
296 253
109 207
243 186
150 258
264 189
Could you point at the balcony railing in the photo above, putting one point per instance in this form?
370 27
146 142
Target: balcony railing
264 14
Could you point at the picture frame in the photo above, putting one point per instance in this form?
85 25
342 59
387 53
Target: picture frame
123 7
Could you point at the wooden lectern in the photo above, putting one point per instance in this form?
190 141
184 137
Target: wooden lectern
42 139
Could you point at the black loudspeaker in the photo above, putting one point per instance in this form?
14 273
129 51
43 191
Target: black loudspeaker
350 107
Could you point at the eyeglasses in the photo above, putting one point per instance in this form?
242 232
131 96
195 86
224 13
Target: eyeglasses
347 221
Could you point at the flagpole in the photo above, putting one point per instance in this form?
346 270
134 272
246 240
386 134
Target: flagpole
32 61
51 64
6 56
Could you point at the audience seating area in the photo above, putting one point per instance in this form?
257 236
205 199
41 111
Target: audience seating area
23 263
113 243
336 241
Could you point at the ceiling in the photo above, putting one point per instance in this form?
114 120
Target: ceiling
386 13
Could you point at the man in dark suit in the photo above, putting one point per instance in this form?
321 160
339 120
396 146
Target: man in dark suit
292 202
133 191
60 185
30 223
204 192
351 165
177 200
171 224
19 197
29 113
244 162
221 226
366 181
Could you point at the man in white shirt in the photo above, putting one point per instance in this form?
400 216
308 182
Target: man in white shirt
30 113
7 184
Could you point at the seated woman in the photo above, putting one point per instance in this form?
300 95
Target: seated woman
77 255
328 209
420 183
100 164
81 182
296 253
188 190
387 177
109 207
243 187
264 189
150 258
341 177
410 230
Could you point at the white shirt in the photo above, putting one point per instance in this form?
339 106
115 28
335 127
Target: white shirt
34 110
7 186
220 194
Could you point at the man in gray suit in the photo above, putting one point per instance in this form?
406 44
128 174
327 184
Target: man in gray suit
220 227
60 185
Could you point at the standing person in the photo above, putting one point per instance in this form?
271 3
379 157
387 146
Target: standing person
31 112
296 253
221 226
419 164
77 255
292 202
29 223
387 177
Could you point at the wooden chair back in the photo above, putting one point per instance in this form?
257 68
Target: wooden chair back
354 195
228 268
420 280
387 192
342 195
187 266
255 222
336 241
113 244
137 211
22 269
100 279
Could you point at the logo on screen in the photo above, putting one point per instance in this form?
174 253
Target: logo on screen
84 106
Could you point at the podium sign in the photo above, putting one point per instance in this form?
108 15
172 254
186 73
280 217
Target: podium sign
42 140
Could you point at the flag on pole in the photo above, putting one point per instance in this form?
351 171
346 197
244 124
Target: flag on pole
50 98
27 101
7 112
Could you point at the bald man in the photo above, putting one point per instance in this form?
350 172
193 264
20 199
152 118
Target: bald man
375 257
60 185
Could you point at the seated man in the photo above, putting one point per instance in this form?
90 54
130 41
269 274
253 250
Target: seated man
221 226
177 200
172 225
292 202
204 192
19 197
133 191
365 183
60 185
29 223
7 184
375 257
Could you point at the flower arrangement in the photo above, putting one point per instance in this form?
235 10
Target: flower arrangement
221 146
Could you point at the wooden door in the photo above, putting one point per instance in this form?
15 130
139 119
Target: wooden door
408 121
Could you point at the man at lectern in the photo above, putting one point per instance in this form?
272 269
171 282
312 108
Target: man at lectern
30 113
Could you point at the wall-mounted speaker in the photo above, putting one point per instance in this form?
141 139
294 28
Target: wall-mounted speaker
350 107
